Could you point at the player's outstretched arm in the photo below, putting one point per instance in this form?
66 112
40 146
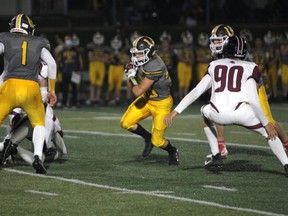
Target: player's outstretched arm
169 118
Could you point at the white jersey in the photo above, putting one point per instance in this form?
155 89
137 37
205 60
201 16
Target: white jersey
229 79
232 83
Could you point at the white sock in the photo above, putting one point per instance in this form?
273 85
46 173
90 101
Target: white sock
278 150
211 135
38 140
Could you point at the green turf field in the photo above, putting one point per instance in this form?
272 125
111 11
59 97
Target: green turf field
104 173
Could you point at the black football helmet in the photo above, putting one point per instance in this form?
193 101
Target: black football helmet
219 35
235 47
22 24
142 45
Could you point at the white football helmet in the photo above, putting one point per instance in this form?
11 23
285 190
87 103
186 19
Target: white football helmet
187 37
98 38
116 43
203 39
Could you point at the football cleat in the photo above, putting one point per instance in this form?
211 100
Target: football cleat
286 170
174 157
38 165
223 150
148 148
7 147
215 161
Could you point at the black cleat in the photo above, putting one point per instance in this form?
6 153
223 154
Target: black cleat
286 170
215 161
174 157
148 148
38 165
7 147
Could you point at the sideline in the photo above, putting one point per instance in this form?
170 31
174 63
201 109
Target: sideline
155 194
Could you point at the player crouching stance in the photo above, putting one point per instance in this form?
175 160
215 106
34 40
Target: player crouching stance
234 100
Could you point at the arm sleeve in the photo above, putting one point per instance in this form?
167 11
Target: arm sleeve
52 68
193 95
254 102
1 48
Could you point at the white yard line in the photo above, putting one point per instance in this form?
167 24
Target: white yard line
220 188
42 193
171 138
148 193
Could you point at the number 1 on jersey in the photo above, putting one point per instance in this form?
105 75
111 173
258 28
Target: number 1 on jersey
24 52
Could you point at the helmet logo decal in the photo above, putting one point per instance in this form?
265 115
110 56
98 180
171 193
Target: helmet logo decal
148 42
18 20
136 41
30 22
228 31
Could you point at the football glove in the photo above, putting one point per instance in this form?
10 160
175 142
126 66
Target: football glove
130 71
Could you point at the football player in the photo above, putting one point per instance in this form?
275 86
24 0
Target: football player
150 83
272 60
117 60
23 52
167 54
185 57
20 128
219 36
233 101
97 56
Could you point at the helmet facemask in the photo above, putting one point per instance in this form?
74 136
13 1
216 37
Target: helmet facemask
142 50
139 60
217 48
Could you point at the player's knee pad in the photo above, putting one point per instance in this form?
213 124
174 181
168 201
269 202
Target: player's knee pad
125 124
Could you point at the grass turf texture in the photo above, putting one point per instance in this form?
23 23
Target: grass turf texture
113 178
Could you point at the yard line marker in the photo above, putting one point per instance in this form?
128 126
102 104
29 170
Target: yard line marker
186 134
154 192
166 196
41 192
220 188
72 137
171 138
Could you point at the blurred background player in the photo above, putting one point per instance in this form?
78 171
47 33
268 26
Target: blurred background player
284 68
167 54
70 61
98 57
117 60
185 58
23 52
150 83
203 58
272 61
